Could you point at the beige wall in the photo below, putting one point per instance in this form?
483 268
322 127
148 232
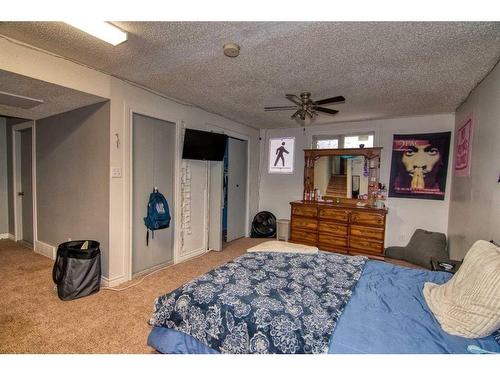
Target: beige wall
124 99
31 62
475 200
405 215
4 203
73 177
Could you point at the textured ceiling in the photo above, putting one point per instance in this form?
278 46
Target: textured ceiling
56 99
383 69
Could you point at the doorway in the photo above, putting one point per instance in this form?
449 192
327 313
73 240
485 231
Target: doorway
228 190
24 187
153 166
235 190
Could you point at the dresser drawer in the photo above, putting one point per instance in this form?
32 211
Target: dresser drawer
332 249
334 214
370 218
366 245
303 236
368 232
304 210
371 255
304 223
330 240
333 228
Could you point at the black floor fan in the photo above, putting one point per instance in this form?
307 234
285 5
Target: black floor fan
264 225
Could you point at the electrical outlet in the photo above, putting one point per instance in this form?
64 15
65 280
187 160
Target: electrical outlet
116 172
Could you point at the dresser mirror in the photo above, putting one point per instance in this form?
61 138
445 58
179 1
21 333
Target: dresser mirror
349 174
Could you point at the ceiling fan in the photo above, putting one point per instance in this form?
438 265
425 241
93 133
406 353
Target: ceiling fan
305 106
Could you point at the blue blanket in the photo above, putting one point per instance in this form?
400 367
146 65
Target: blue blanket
264 303
387 313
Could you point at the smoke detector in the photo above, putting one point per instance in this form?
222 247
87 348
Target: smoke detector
231 49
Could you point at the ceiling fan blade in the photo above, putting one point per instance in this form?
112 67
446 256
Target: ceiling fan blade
283 108
335 99
296 114
294 98
326 110
310 112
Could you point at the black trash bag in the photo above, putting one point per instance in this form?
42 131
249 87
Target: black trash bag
77 269
264 225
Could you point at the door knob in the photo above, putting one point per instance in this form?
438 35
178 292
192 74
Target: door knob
21 193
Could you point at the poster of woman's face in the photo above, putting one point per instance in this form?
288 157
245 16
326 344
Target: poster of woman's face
419 165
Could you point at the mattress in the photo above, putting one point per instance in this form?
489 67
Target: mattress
386 313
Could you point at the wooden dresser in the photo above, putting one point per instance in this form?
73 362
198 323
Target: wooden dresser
341 228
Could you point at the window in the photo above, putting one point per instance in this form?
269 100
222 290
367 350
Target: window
327 143
343 141
353 141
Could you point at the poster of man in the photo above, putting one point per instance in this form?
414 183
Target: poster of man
281 153
419 165
463 149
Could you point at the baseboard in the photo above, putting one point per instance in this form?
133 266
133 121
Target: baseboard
45 249
191 254
11 237
113 281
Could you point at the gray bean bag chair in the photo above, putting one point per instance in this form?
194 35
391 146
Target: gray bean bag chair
422 246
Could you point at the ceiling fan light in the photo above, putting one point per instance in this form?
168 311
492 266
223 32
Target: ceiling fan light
306 107
101 30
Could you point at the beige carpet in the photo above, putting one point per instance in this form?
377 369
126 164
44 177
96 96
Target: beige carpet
34 320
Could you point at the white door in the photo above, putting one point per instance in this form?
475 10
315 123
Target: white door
153 166
215 206
26 193
194 208
237 188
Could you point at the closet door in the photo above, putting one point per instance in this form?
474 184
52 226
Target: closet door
153 166
237 189
215 205
194 208
27 185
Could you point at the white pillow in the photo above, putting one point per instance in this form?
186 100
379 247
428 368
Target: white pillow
468 305
283 247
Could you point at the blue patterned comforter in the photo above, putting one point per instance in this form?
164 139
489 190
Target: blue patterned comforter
264 303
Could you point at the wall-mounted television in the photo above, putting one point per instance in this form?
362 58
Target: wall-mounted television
200 145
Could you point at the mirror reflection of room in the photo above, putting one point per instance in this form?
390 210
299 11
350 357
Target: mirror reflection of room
343 176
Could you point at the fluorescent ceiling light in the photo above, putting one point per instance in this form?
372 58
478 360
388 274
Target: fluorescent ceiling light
102 30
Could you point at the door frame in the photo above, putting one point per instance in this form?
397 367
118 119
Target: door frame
241 137
247 188
176 218
16 178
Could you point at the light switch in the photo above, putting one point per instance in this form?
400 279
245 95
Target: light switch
116 172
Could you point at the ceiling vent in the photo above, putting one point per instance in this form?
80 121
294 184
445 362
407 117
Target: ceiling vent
18 101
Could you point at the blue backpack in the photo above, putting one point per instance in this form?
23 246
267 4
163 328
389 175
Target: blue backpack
158 216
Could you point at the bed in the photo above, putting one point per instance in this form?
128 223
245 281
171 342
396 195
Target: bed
276 303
